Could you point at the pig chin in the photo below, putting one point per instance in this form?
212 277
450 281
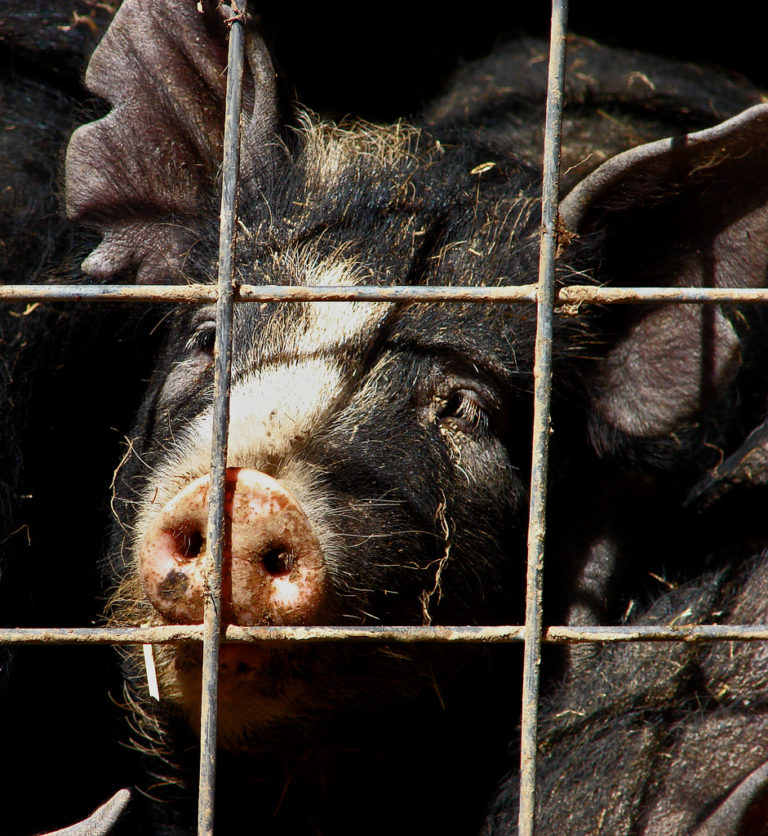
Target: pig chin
261 690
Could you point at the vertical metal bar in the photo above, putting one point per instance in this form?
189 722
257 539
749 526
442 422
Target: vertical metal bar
541 419
222 355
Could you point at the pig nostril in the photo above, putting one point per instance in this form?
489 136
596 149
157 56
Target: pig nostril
278 561
189 542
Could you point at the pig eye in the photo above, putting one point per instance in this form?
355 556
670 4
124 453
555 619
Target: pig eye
203 338
466 410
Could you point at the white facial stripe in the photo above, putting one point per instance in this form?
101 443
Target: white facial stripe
271 407
331 273
269 410
274 406
333 325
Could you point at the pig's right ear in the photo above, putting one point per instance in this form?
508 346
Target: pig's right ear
689 211
142 175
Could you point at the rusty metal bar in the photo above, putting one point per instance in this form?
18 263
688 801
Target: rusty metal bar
560 634
200 293
586 295
541 419
683 632
212 572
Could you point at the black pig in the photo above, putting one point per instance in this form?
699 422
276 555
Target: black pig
378 453
670 739
59 729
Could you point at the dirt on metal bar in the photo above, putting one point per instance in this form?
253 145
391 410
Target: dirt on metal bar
541 418
212 571
573 295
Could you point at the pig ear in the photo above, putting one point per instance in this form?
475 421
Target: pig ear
688 211
746 467
143 173
745 804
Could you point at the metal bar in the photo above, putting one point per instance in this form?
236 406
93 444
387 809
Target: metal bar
584 295
684 632
560 634
200 293
108 293
212 572
541 419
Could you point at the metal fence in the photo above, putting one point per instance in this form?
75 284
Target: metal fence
532 634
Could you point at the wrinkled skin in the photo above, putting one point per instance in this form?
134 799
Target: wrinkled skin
418 431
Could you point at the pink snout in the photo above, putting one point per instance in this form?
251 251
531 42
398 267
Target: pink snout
273 572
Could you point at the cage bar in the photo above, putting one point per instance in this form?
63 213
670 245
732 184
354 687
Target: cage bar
196 294
219 446
559 634
542 382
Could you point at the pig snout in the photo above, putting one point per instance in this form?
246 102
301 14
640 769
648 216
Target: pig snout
273 568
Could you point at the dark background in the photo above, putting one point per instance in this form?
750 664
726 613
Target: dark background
386 60
382 61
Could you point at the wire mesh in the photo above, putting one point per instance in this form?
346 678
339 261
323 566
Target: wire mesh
548 300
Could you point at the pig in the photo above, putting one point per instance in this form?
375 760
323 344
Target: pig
670 739
60 729
386 446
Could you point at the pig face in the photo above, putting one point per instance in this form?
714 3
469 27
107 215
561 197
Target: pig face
377 459
382 444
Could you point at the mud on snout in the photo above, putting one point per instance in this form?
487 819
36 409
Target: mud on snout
273 574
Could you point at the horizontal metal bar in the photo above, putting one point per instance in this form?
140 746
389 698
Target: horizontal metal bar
462 634
393 293
108 293
199 293
683 632
587 295
174 633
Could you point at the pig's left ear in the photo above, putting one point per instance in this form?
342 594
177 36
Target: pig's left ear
688 211
143 174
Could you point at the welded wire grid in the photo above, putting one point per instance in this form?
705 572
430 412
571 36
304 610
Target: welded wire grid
225 294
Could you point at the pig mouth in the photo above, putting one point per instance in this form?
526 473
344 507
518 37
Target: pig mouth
260 688
238 662
256 667
292 693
